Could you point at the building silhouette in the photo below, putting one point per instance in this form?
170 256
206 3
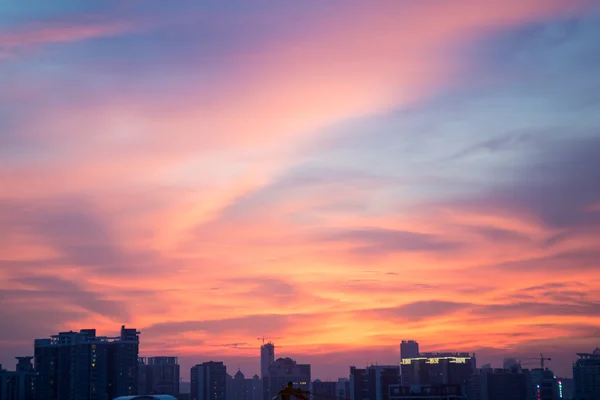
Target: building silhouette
435 369
374 382
242 388
322 389
209 381
442 392
20 384
282 371
83 366
586 376
544 384
409 349
343 388
267 357
160 376
499 384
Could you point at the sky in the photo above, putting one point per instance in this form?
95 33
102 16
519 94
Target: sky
334 176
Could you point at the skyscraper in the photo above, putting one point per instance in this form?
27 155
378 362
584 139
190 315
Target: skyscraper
267 357
83 366
209 381
586 374
409 349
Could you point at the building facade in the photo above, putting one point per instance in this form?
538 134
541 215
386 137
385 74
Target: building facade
586 376
321 389
435 369
499 384
282 371
374 382
343 388
443 392
242 388
267 357
83 366
209 381
544 384
409 349
161 375
20 384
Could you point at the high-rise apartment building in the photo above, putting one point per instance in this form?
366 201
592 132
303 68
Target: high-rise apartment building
209 381
409 349
83 366
374 382
267 357
161 375
20 384
499 384
123 355
282 371
544 384
586 376
434 369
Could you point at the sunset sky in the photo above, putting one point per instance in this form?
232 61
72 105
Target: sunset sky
333 175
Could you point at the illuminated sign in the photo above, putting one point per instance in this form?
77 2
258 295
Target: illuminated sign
560 391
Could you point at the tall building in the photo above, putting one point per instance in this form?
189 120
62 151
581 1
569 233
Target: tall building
499 384
123 358
374 382
209 381
409 349
282 371
20 384
586 374
566 388
162 376
267 357
142 376
544 384
434 369
83 366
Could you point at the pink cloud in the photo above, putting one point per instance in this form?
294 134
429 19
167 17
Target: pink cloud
125 153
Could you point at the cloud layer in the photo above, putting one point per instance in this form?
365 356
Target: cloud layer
336 177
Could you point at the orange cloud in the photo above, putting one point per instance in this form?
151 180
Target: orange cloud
165 212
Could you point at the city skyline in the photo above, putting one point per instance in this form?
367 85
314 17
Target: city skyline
253 365
333 176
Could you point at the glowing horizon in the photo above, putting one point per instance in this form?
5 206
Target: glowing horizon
336 177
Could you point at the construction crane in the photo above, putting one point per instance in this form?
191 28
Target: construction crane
541 359
262 338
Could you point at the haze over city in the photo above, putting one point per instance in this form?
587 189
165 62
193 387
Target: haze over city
333 176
